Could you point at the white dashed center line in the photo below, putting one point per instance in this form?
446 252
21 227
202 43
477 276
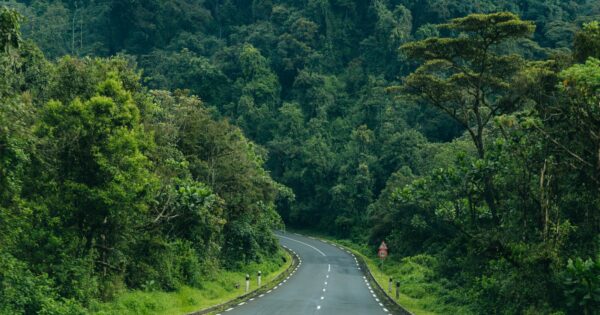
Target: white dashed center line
328 270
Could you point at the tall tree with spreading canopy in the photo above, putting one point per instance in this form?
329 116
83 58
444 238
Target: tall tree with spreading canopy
468 76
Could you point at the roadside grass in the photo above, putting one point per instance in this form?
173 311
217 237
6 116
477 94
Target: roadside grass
188 299
419 293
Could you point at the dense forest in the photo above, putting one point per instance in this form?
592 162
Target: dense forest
466 133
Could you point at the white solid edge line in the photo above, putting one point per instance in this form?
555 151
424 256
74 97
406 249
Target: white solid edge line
291 239
329 268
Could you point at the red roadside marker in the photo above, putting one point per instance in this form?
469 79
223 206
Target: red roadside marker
383 251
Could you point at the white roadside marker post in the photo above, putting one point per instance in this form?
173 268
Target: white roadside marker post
259 277
247 283
390 285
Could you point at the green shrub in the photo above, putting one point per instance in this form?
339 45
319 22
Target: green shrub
582 285
22 292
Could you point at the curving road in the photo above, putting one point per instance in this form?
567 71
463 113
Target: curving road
327 281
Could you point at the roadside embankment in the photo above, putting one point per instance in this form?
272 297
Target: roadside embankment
225 288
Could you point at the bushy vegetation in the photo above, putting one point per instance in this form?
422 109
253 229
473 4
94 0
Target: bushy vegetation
464 131
107 186
227 285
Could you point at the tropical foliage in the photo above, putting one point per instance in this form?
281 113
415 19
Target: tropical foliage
467 132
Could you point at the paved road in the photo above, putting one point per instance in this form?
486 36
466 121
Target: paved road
327 281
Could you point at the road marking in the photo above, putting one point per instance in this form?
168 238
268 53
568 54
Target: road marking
385 310
322 298
328 267
242 303
252 299
291 239
324 289
325 282
318 307
269 291
261 295
229 309
327 276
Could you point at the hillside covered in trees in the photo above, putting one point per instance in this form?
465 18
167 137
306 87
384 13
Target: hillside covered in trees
464 133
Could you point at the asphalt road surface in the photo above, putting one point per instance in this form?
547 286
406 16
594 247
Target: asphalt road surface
328 281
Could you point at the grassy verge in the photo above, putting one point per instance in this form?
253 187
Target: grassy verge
187 299
418 292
